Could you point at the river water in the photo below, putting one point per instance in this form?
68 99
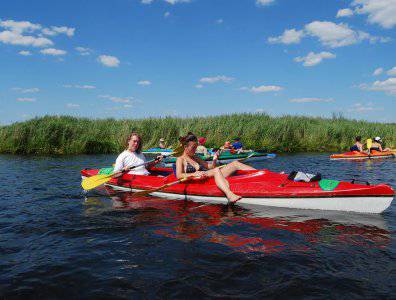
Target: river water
57 242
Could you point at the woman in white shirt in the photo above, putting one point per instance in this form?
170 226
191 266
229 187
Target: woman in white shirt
133 156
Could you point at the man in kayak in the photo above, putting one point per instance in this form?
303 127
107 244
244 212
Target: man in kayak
358 146
133 156
237 145
201 149
377 145
188 165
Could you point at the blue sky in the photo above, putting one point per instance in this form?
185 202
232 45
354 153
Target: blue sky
142 58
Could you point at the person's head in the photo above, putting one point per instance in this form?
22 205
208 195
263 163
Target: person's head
237 139
134 142
358 138
190 143
377 139
227 145
202 141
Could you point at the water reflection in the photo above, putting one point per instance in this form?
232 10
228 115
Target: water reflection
247 229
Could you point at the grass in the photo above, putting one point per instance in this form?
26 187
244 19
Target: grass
70 135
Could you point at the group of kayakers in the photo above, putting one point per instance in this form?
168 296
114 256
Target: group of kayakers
188 165
374 144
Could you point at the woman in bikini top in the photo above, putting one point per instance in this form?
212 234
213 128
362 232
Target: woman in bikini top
188 165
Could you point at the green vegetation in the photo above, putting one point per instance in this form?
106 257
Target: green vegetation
69 135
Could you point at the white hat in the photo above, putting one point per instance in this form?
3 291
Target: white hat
377 139
162 140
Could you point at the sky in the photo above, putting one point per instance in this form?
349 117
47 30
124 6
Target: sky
150 58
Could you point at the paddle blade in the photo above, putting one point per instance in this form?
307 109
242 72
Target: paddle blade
369 143
92 182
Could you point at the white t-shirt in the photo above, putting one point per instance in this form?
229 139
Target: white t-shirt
130 159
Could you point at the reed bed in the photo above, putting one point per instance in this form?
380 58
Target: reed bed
70 135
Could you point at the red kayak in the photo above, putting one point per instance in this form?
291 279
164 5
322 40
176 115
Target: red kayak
363 155
263 188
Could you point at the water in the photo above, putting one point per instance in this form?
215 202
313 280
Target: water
56 242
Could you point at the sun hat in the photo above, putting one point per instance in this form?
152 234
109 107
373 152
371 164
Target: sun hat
237 139
202 140
162 140
377 139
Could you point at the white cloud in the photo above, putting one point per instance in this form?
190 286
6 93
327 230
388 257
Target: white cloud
147 1
388 86
362 108
166 14
173 2
25 53
219 78
289 36
392 71
72 105
382 12
310 100
338 35
329 34
83 51
26 99
76 86
109 61
144 82
219 21
55 30
53 51
199 86
20 26
346 12
378 71
262 89
16 38
313 59
28 90
264 2
117 99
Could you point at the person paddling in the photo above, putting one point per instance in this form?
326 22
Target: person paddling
189 165
358 146
201 149
377 145
133 156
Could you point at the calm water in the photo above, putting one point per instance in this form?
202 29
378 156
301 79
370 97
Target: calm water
56 242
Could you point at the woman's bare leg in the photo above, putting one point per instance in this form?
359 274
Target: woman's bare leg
224 185
233 167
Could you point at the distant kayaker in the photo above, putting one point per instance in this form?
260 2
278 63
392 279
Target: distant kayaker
162 143
377 145
237 145
358 146
133 156
190 165
201 149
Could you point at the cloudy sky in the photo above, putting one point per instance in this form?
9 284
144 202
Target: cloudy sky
141 58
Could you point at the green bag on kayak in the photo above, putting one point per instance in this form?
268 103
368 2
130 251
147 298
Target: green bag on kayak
106 171
328 184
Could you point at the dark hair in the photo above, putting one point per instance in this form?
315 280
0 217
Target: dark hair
190 137
358 138
139 149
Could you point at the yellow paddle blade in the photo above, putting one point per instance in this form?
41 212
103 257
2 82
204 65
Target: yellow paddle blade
369 143
92 182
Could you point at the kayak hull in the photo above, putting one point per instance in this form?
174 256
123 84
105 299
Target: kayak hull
264 188
356 155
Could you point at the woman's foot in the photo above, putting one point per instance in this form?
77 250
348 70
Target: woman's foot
232 198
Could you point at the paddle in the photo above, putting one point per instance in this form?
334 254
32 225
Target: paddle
92 182
146 192
369 143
